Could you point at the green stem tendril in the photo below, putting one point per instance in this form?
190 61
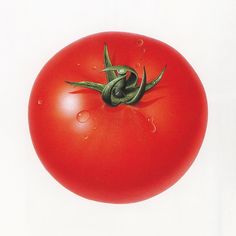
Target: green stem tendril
120 88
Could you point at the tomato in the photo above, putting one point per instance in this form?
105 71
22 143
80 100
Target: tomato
111 150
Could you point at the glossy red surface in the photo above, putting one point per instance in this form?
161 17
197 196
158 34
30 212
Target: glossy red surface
117 154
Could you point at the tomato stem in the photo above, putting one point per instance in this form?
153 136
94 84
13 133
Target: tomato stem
120 88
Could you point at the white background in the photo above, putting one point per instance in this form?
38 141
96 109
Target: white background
202 203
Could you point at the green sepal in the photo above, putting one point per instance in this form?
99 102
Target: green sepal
87 84
121 70
131 82
156 80
120 89
107 91
140 91
111 75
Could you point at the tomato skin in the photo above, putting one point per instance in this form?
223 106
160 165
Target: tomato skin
117 154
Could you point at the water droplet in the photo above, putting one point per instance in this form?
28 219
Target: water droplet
144 50
94 67
140 42
94 128
40 102
138 65
153 126
86 137
83 116
78 64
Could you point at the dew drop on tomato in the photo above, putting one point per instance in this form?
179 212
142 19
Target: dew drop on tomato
40 102
140 42
138 65
83 116
153 127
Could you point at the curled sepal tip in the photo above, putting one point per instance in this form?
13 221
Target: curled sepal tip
107 91
122 70
140 91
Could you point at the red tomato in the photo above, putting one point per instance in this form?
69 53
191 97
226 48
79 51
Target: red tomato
124 153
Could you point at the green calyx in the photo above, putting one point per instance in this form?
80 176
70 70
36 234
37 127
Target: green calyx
121 87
